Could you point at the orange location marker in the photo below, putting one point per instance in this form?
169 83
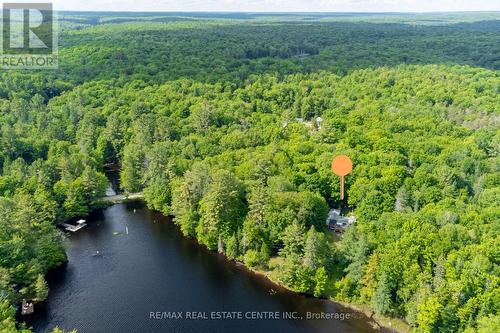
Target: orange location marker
342 166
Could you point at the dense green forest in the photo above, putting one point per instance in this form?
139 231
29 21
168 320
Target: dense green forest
215 120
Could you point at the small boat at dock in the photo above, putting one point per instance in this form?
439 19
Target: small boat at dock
27 308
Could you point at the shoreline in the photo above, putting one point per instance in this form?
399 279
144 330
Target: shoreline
377 321
106 202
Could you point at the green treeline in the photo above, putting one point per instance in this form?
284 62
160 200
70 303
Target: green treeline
231 51
218 124
46 178
246 177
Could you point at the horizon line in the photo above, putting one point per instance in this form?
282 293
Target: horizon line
277 12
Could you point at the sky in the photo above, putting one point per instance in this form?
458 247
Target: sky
280 5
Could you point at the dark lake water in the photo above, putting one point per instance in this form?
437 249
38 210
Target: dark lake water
154 268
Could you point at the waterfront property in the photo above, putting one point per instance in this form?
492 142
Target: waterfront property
155 268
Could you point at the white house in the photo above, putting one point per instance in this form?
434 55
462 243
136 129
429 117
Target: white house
336 221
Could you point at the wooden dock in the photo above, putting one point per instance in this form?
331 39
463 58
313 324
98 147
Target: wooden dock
74 228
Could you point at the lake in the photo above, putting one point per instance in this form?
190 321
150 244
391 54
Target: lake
152 278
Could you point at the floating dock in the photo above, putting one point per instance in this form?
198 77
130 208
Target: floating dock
74 228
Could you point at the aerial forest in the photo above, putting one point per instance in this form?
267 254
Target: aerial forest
229 124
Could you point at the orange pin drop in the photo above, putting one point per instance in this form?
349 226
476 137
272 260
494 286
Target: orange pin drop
342 166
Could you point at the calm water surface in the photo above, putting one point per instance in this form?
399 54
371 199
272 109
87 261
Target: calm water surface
154 268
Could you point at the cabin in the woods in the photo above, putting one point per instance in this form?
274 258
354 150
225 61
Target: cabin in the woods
337 222
319 120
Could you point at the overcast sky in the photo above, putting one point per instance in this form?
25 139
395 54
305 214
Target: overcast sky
281 5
